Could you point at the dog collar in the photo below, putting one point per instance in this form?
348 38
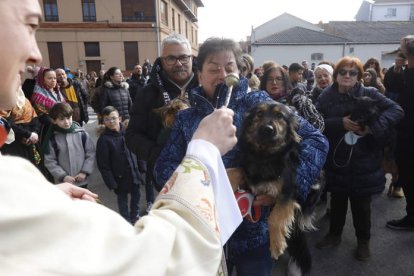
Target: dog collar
245 201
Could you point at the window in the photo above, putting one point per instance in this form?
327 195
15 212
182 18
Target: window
391 12
317 56
186 29
139 15
55 55
173 19
179 23
93 65
164 12
51 10
131 54
92 49
138 11
88 10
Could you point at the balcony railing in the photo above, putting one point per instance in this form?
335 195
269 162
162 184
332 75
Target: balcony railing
138 18
53 18
89 18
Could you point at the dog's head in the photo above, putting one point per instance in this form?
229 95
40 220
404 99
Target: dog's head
169 111
269 128
364 110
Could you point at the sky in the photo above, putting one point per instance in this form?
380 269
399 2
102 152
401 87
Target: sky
235 18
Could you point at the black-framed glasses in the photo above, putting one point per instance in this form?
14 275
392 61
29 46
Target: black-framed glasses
171 60
351 73
110 119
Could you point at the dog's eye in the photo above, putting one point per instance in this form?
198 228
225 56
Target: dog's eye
259 114
279 115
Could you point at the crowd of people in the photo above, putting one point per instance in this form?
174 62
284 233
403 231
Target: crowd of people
44 121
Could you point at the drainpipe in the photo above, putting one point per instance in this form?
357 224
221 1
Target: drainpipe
157 25
343 49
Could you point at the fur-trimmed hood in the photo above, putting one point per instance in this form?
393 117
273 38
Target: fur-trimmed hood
110 84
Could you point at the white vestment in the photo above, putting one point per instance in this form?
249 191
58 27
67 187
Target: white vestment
44 232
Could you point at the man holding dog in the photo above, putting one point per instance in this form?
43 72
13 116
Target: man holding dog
52 230
172 76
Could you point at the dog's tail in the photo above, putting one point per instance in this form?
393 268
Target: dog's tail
298 249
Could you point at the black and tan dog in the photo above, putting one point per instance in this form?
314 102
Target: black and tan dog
364 110
269 146
169 111
167 114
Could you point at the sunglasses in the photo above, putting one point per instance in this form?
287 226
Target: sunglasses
351 73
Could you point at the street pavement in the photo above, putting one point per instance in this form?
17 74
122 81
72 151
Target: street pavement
392 251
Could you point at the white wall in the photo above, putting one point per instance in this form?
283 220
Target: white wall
278 24
379 13
287 54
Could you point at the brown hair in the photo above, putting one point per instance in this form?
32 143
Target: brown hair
61 110
377 66
272 69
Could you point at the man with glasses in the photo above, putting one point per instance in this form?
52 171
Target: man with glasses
172 76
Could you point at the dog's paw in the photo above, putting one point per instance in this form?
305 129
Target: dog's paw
278 245
236 177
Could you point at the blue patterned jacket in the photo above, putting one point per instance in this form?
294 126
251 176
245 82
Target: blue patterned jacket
313 151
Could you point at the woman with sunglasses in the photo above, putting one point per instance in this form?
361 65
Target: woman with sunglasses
353 167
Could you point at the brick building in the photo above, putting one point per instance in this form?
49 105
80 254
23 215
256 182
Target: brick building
98 34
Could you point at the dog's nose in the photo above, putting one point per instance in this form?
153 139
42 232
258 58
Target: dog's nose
267 131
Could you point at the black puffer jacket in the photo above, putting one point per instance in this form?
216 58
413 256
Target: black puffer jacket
117 96
145 125
117 165
135 85
363 175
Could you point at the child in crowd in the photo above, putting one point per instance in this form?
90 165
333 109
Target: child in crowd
69 151
118 166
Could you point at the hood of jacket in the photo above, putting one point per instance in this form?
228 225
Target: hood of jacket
110 84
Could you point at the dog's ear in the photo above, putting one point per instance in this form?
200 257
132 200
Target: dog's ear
160 110
293 127
251 112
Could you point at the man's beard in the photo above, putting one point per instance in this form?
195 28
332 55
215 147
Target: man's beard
64 83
